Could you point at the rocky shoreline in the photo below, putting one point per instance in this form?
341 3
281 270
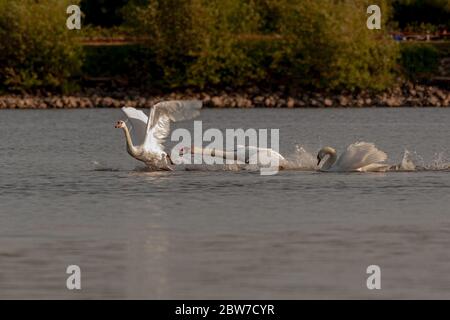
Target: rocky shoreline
406 95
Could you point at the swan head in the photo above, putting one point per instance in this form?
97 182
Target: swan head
186 150
120 124
327 151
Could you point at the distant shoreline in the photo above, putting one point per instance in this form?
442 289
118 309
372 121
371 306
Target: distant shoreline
406 95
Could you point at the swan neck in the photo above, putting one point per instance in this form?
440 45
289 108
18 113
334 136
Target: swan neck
130 148
331 159
219 153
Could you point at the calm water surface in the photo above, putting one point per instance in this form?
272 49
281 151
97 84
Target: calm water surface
70 194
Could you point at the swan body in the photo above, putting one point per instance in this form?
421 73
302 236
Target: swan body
146 135
241 154
360 156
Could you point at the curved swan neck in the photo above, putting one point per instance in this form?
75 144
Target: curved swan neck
331 159
130 148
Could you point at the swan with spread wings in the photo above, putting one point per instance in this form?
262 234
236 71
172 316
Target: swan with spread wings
146 135
359 156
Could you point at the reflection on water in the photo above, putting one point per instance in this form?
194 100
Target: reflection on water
70 194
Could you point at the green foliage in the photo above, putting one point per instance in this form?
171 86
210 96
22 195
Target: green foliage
172 33
326 45
302 42
226 55
36 48
419 60
323 44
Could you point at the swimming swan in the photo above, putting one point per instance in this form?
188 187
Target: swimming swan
359 156
149 133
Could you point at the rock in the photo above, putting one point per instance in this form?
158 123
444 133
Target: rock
314 103
301 103
343 101
441 95
269 102
328 102
229 102
108 102
360 102
58 103
406 94
258 100
74 102
116 104
217 102
433 101
206 99
394 101
281 103
243 102
290 103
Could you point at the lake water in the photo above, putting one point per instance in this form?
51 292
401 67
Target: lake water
71 195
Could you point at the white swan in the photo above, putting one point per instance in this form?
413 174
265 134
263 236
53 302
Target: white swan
360 156
241 154
149 133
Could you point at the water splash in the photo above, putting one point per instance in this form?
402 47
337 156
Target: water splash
440 162
407 163
301 159
98 166
412 161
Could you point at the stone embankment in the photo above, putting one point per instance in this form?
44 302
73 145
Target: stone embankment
407 95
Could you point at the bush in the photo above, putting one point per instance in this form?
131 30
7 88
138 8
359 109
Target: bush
301 42
419 60
327 45
228 53
36 48
195 41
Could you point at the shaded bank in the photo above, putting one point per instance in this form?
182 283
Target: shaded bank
408 94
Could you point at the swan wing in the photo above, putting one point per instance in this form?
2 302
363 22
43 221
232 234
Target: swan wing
359 155
138 124
158 126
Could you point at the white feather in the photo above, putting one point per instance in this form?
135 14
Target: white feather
158 126
359 155
138 121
